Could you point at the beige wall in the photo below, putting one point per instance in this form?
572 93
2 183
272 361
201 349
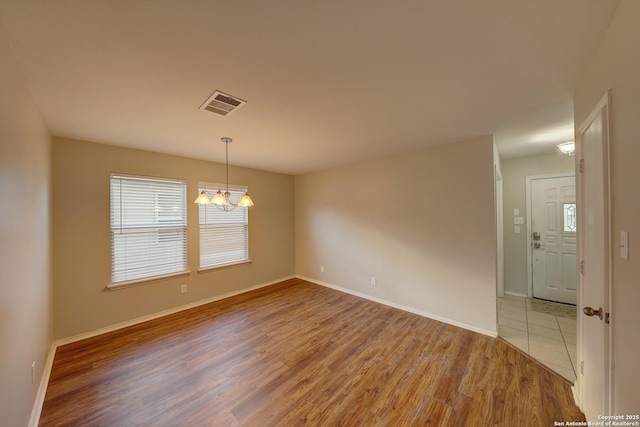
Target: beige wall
81 236
514 173
421 223
25 266
616 66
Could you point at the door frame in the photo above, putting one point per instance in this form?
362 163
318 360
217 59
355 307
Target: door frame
528 208
603 103
499 233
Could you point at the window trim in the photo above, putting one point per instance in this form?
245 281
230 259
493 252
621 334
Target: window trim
220 266
137 282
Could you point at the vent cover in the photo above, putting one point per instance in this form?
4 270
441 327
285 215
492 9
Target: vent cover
222 104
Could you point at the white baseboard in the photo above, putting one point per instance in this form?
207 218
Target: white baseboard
462 325
44 383
575 388
42 388
516 294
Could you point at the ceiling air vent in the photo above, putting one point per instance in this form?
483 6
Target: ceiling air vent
222 104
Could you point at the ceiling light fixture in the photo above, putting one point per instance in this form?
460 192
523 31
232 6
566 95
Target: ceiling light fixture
220 199
567 148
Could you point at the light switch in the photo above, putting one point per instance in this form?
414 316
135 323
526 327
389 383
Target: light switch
518 220
624 245
516 229
516 212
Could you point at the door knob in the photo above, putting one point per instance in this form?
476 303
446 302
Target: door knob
589 311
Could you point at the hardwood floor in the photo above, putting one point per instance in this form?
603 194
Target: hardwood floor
297 353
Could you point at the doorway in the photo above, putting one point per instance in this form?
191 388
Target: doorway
528 324
552 242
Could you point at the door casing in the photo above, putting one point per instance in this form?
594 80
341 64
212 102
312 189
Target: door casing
499 233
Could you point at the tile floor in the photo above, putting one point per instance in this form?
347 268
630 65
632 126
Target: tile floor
549 339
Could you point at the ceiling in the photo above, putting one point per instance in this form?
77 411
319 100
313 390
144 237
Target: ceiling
326 82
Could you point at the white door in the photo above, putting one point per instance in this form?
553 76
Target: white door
553 226
595 246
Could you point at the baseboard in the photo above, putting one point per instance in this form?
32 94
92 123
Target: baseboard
575 389
462 325
516 294
42 388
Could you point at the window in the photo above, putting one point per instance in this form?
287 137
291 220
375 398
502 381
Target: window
148 228
569 210
224 236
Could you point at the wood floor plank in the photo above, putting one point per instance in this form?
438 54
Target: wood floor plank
297 353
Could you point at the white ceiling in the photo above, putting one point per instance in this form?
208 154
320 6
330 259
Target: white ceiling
327 82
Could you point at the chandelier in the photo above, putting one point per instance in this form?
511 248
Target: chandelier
223 200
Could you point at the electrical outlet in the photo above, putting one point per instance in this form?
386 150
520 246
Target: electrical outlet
183 289
373 281
322 269
33 373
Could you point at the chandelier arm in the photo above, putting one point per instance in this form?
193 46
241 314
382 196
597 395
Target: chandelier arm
225 208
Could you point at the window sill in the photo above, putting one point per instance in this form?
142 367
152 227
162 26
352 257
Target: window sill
218 267
146 280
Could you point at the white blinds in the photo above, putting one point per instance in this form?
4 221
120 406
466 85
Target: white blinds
224 236
148 227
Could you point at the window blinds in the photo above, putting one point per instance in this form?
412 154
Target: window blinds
224 236
148 227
